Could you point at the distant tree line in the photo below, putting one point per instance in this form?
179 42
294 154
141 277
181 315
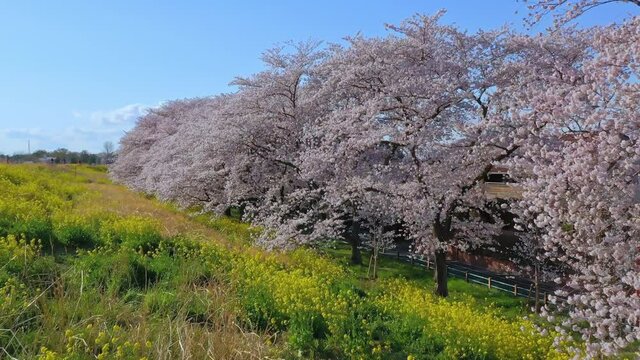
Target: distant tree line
64 156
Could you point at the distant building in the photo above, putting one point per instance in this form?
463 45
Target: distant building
47 160
499 185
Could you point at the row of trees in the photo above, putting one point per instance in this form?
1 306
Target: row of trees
399 132
65 156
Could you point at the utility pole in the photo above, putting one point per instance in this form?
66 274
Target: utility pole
29 147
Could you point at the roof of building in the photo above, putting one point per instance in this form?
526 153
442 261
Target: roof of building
496 190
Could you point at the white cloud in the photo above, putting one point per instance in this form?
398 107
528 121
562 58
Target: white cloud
88 132
126 115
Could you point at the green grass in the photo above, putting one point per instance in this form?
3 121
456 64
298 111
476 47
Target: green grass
119 275
388 268
511 307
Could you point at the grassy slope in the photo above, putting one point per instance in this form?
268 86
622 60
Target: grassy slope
224 337
510 307
66 317
109 196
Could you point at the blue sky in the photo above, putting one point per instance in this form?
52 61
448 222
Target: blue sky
75 74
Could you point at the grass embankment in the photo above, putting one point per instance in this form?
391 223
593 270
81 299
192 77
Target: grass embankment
510 307
91 270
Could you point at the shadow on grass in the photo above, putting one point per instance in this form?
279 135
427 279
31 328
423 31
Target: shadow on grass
510 307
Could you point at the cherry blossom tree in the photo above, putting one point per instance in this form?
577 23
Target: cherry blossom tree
564 11
406 111
186 166
576 102
263 125
135 146
380 225
230 150
319 200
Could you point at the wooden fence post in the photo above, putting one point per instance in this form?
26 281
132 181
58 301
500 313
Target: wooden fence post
515 289
489 282
466 276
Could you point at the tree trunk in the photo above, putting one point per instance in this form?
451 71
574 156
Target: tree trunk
536 280
375 263
441 273
353 237
442 232
356 255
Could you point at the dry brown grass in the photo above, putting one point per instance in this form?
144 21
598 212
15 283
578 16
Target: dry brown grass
118 199
107 196
220 338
